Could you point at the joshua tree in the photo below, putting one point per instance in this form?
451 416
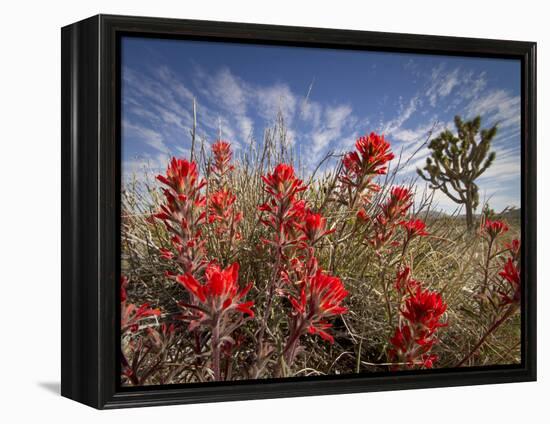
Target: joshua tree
457 161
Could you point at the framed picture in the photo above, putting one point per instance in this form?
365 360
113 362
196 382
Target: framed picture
253 211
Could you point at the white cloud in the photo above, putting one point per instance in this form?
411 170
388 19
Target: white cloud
420 133
171 80
497 106
230 91
442 84
405 112
144 168
335 119
152 138
311 112
462 84
246 127
507 166
274 99
159 94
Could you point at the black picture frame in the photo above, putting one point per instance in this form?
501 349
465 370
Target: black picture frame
90 209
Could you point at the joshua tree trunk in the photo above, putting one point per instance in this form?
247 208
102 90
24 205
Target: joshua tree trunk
469 217
469 212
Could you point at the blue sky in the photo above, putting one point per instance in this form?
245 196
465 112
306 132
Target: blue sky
328 98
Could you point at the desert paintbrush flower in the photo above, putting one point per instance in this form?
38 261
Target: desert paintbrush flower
219 306
320 298
414 228
421 314
221 165
495 228
183 213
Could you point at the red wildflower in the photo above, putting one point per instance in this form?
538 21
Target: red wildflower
398 204
221 292
514 247
217 307
320 298
368 160
283 182
222 210
424 308
182 177
314 227
285 212
220 202
363 215
414 227
222 159
428 360
511 274
183 213
495 228
371 156
420 319
401 340
404 283
382 226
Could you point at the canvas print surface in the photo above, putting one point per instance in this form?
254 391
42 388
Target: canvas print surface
305 212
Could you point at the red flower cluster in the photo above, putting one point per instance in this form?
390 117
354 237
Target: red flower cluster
222 160
183 213
359 167
314 227
414 228
404 283
420 318
514 248
508 291
320 298
283 183
424 308
511 274
383 226
216 299
182 177
398 204
219 295
222 211
495 228
285 213
140 345
295 230
370 157
218 307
